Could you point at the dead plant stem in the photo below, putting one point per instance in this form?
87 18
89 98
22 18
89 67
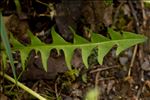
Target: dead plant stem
132 60
22 86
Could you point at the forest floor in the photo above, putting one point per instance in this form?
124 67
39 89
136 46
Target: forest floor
123 77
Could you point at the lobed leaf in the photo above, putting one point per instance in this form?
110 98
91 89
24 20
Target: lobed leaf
125 41
104 44
78 39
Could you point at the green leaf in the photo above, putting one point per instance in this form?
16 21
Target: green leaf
6 44
57 39
68 55
34 39
92 94
15 41
4 59
24 54
78 39
103 49
44 55
114 35
104 45
98 38
86 51
125 41
84 78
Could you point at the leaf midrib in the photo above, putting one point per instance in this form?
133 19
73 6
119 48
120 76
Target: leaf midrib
73 45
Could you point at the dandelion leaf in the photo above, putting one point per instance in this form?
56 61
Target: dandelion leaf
104 45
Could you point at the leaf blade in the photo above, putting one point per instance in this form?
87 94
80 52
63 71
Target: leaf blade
68 56
7 45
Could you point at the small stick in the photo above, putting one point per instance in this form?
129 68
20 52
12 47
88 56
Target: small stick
105 68
143 13
134 16
117 13
56 91
138 31
132 60
97 79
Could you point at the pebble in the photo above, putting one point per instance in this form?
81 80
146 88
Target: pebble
68 98
129 53
77 93
146 66
123 60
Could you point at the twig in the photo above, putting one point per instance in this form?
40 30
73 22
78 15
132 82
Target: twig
56 88
140 91
108 78
138 31
22 86
96 82
143 13
117 13
134 16
56 91
97 79
132 60
105 68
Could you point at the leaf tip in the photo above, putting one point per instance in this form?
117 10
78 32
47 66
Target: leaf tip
100 61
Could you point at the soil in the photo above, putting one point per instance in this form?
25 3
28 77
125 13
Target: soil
123 77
